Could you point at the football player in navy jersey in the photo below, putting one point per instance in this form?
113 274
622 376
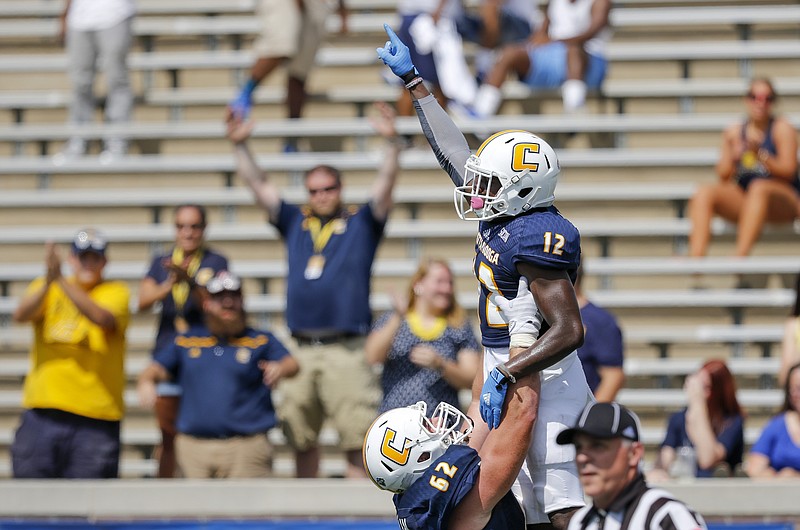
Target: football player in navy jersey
508 186
439 481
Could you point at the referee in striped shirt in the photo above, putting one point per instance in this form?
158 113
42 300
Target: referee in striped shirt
608 454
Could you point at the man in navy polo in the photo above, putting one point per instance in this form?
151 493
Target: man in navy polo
227 370
330 249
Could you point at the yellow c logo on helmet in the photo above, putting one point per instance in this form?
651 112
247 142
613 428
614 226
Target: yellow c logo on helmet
521 156
398 457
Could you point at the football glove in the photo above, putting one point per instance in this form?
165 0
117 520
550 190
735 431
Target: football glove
521 312
396 56
493 394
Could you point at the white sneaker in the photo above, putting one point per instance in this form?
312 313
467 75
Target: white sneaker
74 148
113 150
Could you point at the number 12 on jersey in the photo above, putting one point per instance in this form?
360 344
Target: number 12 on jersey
554 243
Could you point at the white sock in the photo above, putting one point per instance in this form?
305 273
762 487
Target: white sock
573 94
487 101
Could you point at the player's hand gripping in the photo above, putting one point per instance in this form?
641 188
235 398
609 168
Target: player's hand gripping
521 314
396 56
493 394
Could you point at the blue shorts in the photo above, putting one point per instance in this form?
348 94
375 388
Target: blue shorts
52 443
423 62
549 67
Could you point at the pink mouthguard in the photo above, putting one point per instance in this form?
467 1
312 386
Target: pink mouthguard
476 203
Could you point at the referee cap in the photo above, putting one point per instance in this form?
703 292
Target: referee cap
603 420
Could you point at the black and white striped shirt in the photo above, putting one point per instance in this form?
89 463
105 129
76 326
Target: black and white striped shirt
639 507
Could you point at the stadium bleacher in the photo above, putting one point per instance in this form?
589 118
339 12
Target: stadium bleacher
627 198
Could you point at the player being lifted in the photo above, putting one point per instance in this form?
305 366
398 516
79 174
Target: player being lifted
508 186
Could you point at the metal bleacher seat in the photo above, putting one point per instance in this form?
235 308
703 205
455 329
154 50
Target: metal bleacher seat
366 22
621 125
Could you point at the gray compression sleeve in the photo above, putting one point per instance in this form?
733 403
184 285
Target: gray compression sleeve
447 141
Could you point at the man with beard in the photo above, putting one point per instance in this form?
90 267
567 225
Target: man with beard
227 370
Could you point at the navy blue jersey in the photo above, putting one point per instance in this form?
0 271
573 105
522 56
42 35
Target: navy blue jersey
542 238
224 393
210 264
336 299
431 500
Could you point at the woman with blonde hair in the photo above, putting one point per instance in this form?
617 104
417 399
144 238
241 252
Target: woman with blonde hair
426 344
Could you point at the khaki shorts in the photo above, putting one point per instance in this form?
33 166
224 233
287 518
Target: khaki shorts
236 457
291 33
336 383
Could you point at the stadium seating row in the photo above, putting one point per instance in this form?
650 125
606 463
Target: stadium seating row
738 18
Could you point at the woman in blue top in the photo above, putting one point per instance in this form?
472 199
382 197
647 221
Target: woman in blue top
426 344
757 170
777 451
711 427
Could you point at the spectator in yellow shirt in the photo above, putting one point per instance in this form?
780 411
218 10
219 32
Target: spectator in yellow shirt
73 391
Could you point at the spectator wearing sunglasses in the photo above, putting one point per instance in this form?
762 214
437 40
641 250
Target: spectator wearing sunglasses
73 392
227 371
758 180
172 282
330 249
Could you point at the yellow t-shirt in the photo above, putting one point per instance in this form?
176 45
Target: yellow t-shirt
75 365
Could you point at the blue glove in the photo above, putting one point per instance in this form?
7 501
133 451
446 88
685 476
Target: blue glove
396 56
243 104
493 394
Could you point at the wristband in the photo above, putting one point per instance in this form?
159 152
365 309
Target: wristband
522 340
409 76
414 82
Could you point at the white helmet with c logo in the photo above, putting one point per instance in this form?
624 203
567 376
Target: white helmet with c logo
510 173
401 444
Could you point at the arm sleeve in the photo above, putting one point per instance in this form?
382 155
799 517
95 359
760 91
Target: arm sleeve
446 140
156 271
169 358
275 350
286 214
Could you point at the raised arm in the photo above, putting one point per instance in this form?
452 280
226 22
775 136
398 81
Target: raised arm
446 140
31 305
387 174
264 190
698 424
